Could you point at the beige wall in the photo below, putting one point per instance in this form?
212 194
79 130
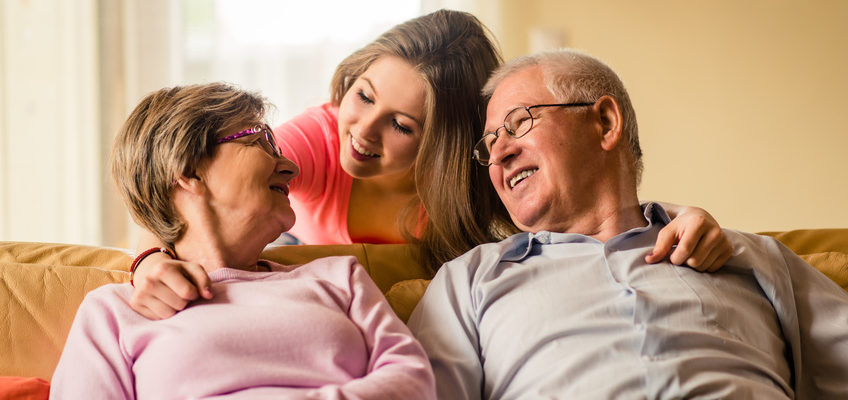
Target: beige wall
741 103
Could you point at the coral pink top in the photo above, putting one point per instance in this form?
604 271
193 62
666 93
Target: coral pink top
321 193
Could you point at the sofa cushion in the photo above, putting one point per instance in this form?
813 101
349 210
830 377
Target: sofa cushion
832 264
824 249
812 241
404 296
23 388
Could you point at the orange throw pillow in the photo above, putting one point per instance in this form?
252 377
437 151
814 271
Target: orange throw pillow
21 388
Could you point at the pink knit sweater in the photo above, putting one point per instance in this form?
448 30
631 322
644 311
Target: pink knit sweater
319 331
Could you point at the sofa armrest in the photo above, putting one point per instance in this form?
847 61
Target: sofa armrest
39 302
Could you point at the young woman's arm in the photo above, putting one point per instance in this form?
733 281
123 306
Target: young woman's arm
164 286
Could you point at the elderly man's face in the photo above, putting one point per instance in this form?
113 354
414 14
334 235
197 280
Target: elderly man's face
544 178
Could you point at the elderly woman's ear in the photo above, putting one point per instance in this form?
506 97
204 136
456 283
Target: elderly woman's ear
192 185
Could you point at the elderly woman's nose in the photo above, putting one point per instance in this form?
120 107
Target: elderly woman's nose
287 167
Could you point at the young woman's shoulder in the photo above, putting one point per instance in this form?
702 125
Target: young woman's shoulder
315 127
311 141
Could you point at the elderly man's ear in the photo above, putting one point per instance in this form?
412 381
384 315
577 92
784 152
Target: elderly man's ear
611 121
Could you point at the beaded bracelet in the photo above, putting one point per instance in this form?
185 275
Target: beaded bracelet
144 254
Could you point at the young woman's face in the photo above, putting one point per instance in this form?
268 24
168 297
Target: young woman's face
381 118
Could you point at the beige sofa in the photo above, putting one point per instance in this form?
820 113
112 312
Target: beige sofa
42 284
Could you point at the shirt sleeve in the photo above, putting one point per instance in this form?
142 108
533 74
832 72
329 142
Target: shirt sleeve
398 367
445 323
811 308
822 312
93 362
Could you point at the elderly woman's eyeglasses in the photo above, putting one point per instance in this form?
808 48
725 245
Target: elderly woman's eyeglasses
267 143
516 124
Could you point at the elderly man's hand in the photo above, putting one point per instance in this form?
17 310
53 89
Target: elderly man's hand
164 286
701 244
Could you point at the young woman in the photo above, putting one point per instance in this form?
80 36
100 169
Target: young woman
388 160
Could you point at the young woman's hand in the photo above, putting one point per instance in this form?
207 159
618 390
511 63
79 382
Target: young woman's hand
164 286
700 243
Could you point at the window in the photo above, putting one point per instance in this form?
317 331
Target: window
285 49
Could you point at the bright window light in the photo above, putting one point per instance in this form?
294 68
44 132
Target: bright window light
305 22
285 49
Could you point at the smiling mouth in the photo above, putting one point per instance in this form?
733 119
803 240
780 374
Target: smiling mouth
361 150
521 176
281 189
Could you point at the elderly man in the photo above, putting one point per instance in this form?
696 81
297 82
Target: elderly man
570 308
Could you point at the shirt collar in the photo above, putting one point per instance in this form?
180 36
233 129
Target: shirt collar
518 246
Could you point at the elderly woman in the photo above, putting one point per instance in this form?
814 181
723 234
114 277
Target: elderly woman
197 167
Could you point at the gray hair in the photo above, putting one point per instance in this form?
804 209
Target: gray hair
571 75
169 134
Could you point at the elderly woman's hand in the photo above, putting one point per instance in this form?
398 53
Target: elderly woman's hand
700 242
164 286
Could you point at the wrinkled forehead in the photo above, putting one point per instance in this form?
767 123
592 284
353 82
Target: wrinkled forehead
520 89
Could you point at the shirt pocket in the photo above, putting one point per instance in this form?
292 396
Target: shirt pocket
732 301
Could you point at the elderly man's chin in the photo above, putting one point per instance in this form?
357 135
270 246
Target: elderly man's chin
528 221
525 209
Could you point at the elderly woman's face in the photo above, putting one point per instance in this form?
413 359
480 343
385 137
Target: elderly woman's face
248 189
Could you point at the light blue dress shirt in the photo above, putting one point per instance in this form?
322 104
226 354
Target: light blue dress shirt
552 315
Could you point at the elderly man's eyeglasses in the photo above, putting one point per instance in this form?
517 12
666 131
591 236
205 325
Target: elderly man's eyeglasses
516 124
267 143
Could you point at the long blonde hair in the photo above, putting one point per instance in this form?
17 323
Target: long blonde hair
453 53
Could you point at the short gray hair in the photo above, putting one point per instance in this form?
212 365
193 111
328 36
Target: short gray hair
169 134
571 75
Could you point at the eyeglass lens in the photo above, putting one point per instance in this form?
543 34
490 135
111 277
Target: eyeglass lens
516 124
274 150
